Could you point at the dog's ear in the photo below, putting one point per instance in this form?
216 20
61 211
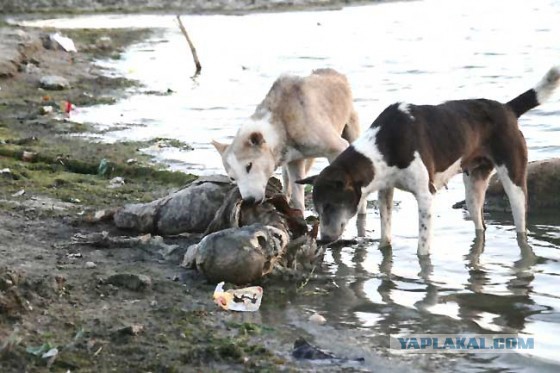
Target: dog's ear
220 147
256 139
307 180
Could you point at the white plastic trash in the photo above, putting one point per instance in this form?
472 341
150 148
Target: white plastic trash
243 300
65 42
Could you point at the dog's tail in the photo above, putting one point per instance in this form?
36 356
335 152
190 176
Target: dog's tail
538 95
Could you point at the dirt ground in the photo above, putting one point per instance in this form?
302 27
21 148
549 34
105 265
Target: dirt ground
69 304
123 308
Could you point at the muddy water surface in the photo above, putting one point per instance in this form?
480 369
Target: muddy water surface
421 52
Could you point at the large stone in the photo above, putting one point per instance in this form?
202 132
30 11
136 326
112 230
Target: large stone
543 184
12 44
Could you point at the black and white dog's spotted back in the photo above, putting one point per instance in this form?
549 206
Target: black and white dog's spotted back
418 148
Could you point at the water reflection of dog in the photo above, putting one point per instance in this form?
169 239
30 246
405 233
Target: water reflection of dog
511 310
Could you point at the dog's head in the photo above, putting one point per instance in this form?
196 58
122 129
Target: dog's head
248 161
336 198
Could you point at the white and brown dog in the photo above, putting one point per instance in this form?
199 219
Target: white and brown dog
300 118
418 148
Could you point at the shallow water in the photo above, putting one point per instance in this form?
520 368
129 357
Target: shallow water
421 52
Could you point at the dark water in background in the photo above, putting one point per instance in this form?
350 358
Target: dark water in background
421 52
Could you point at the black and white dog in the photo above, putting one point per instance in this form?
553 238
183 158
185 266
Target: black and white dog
418 148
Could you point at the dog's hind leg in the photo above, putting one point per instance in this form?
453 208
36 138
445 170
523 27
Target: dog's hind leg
352 129
308 164
286 185
476 183
336 147
517 195
385 212
296 171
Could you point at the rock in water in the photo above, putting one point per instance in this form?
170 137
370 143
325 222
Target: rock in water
543 186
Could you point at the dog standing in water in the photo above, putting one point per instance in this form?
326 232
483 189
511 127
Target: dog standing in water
418 148
300 118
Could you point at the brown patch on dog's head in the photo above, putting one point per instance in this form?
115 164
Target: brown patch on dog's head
256 139
335 186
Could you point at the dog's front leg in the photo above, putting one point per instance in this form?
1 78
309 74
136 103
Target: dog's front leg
296 171
286 185
361 218
385 197
424 222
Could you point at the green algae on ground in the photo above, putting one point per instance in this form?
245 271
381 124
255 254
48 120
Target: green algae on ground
71 181
230 343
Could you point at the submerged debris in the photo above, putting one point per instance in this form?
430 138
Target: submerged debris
305 350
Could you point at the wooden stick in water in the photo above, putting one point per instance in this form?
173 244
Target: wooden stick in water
191 45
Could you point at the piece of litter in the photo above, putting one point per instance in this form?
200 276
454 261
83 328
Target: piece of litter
46 109
65 42
74 255
134 329
50 353
243 300
317 319
103 215
305 350
66 107
19 194
116 182
103 167
90 265
27 156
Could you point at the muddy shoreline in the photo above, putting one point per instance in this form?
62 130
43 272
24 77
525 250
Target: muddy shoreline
57 292
38 7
